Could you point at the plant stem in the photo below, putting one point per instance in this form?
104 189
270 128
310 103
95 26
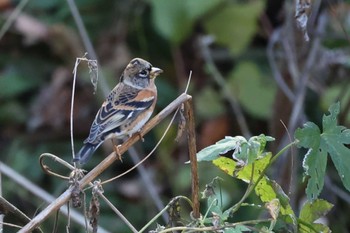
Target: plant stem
253 184
164 209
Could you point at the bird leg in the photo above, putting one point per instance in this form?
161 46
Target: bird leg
116 150
140 135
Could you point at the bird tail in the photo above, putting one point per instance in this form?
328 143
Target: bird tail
85 153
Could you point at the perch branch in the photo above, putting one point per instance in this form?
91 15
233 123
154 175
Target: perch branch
65 197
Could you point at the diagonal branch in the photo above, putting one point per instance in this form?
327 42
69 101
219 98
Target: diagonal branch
65 197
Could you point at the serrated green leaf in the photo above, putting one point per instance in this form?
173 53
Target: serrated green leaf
331 141
308 136
235 25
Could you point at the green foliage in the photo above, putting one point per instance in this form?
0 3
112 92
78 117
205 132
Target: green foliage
250 162
242 26
331 141
15 83
249 85
208 97
174 19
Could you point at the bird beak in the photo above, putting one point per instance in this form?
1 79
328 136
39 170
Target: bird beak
155 72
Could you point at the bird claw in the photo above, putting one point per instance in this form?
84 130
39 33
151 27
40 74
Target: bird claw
140 136
117 151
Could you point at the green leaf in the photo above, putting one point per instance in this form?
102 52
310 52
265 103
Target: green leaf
244 151
331 141
221 147
174 19
227 165
235 25
255 92
310 212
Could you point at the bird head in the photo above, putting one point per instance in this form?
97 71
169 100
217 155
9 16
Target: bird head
139 72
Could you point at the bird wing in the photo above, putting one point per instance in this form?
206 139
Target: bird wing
122 106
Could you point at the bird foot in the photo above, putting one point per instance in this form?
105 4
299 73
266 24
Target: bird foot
117 151
140 136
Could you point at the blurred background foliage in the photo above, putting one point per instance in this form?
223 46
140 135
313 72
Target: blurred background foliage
236 87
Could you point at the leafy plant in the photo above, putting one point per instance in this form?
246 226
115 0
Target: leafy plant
249 162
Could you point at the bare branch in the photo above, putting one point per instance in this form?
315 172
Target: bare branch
191 137
65 197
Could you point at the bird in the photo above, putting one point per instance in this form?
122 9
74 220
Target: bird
126 109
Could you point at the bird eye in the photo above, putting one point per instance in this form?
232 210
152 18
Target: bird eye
143 73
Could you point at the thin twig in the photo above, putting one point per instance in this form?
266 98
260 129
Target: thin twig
147 181
275 70
164 209
12 17
305 76
8 207
61 200
42 194
86 41
75 70
11 225
47 169
292 160
92 69
125 220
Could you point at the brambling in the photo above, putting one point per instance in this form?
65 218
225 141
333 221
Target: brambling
126 109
